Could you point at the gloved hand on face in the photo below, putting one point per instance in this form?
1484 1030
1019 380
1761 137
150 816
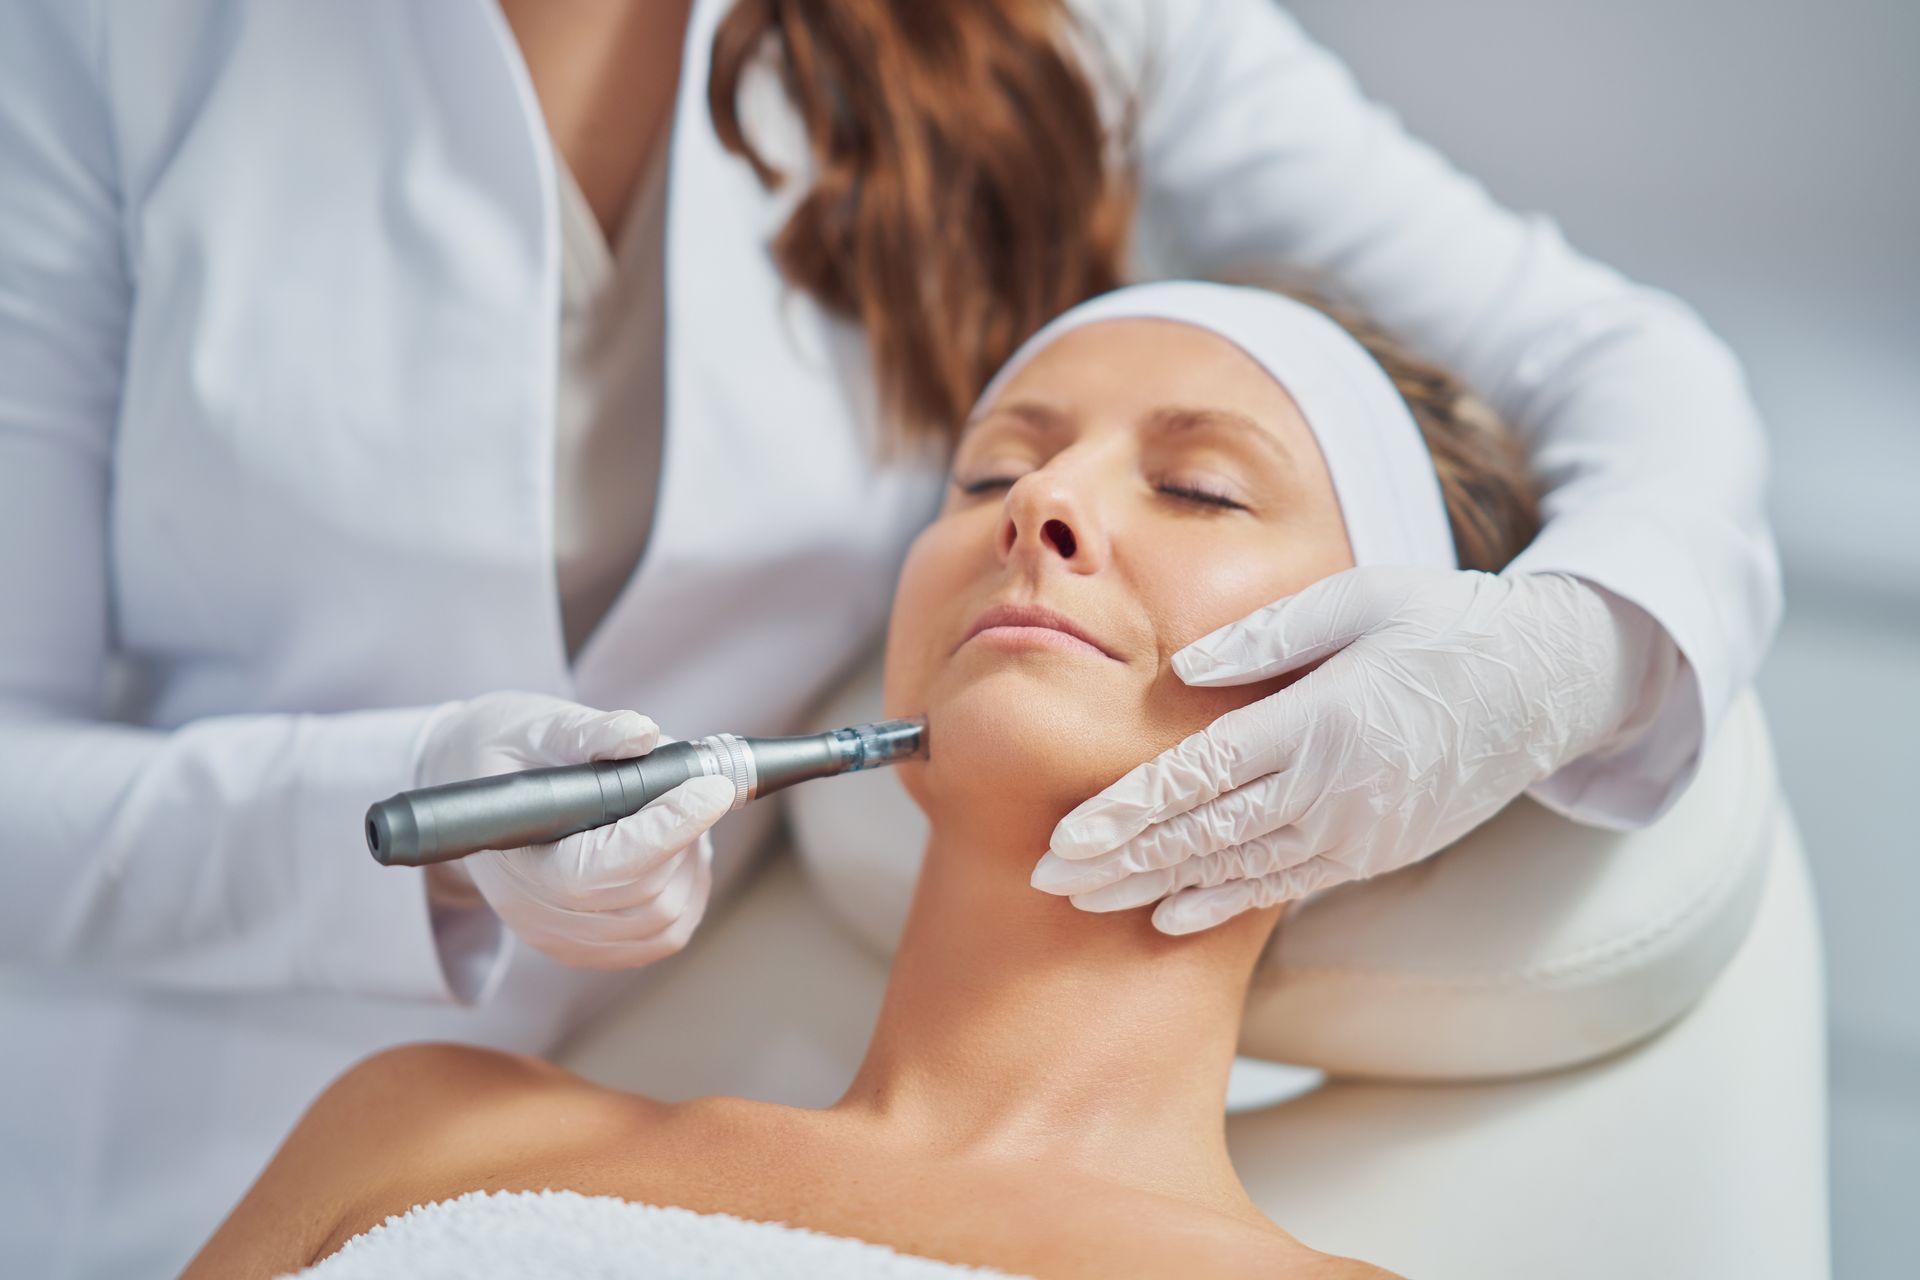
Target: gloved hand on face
613 897
1442 692
1443 695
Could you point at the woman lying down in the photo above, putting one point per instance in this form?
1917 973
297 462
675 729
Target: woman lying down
1043 1093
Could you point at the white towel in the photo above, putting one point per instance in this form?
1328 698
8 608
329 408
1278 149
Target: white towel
565 1235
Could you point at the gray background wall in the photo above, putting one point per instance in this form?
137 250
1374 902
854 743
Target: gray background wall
1759 158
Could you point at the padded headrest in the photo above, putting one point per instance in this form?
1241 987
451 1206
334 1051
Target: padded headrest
1531 944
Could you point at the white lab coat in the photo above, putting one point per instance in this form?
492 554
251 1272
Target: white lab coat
278 297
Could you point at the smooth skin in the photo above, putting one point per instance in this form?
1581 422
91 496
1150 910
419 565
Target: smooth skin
606 73
1059 1074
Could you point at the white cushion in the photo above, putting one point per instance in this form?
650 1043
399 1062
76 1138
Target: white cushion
1532 943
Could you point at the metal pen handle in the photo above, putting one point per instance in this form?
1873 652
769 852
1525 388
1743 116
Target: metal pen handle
439 824
512 810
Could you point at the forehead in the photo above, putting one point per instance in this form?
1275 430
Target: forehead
1115 371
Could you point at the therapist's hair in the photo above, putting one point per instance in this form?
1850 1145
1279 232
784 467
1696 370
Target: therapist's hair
966 189
964 186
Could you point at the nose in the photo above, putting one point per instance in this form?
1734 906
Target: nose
1046 518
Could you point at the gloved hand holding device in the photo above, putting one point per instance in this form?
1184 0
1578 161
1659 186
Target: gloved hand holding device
613 897
1443 695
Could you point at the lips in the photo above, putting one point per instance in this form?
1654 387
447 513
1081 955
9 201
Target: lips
1033 615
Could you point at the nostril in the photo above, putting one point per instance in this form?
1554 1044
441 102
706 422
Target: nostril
1057 533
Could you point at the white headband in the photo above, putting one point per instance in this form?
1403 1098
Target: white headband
1382 474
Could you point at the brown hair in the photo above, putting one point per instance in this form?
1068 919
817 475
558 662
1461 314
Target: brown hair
962 189
965 190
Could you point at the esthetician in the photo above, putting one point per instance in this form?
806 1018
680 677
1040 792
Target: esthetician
395 392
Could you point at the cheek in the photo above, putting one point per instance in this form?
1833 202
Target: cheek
1199 593
1202 586
909 633
939 566
1178 710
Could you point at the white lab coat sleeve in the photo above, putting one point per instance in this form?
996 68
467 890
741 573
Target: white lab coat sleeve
1259 153
226 853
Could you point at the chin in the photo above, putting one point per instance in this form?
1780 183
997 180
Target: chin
1024 735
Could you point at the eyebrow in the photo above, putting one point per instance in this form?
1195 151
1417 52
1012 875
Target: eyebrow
1177 419
1041 416
1167 420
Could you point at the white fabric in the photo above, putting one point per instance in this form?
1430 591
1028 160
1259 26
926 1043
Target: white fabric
1531 944
279 288
1701 1152
1382 472
508 1235
606 421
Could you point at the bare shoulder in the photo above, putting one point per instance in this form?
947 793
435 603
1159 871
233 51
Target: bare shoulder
1100 1230
1246 1251
404 1114
1296 1261
446 1119
424 1068
415 1105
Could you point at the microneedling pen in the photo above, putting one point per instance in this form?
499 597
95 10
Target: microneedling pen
439 824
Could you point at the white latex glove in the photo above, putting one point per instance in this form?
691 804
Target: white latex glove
1447 693
614 897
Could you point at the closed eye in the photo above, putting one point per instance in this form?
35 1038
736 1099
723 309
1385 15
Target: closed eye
981 486
1204 497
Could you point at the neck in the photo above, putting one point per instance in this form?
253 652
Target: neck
1017 1026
